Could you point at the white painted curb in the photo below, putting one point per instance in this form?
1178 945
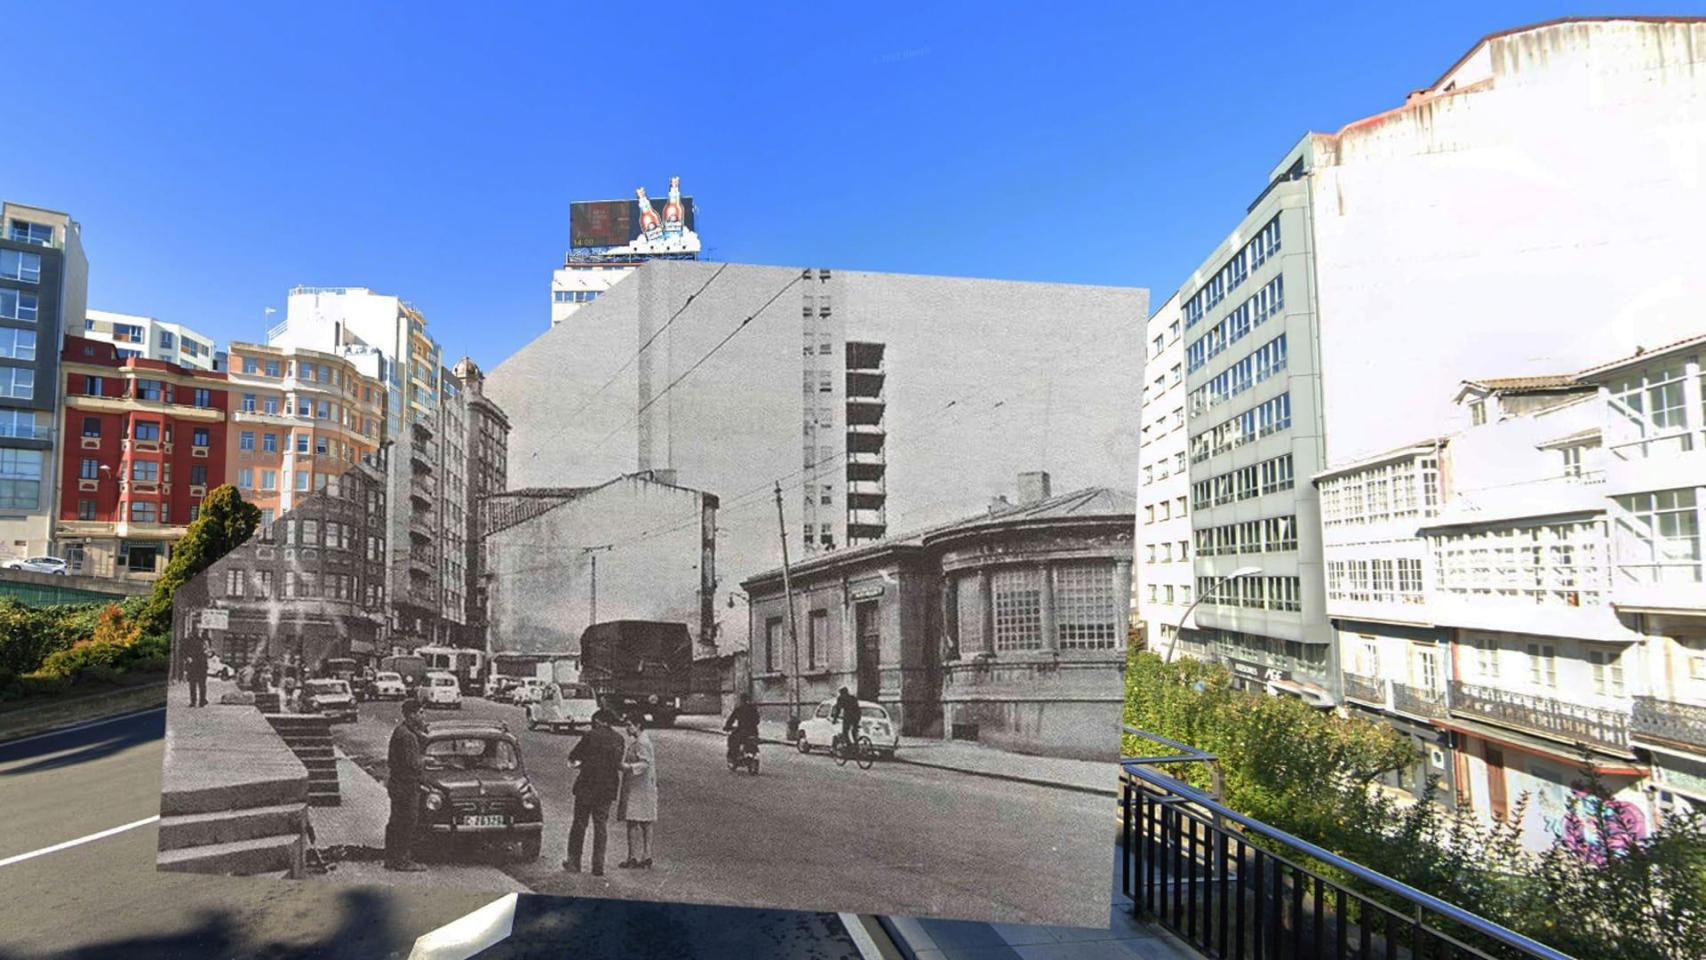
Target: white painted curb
465 936
868 949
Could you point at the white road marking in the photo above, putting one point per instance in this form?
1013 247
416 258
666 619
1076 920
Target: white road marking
19 858
467 935
80 726
868 949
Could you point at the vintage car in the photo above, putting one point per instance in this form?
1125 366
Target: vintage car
818 731
529 690
387 685
218 669
331 698
572 707
439 689
475 786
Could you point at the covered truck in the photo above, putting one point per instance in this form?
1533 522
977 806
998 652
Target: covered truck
639 667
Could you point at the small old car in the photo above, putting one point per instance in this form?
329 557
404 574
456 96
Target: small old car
330 698
387 685
439 689
819 731
474 786
529 690
572 707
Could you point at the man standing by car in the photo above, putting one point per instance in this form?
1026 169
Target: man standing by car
403 783
742 725
847 711
195 667
598 756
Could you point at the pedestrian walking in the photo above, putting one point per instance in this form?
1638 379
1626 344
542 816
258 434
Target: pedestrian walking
403 784
246 678
598 757
195 668
638 807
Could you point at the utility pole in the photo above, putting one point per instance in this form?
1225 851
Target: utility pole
593 552
793 630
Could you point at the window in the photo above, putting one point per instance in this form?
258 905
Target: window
90 469
143 511
302 480
302 443
1550 564
817 637
19 383
1087 612
202 397
94 386
272 368
1477 412
269 479
1410 580
86 510
246 478
17 344
198 475
246 441
145 471
772 643
1658 537
1607 664
18 265
310 533
1017 595
1486 658
20 478
269 443
24 231
1542 665
199 437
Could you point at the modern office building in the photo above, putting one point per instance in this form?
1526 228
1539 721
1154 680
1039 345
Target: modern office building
1164 584
487 475
150 442
298 418
44 281
385 337
138 336
876 402
610 238
1332 322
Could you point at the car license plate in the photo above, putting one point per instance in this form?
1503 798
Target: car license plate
481 820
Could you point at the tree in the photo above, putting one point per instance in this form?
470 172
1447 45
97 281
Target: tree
226 522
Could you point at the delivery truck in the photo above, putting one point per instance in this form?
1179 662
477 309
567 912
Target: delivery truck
639 667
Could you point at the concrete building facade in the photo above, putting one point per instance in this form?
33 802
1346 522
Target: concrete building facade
1165 580
44 284
451 541
141 336
487 473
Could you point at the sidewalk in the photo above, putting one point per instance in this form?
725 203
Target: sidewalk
1084 776
358 823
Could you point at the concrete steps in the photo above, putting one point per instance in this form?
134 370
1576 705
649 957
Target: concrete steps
259 855
309 737
259 792
180 831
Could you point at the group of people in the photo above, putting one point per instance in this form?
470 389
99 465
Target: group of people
616 764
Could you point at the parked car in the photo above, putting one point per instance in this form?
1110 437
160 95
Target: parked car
388 685
37 565
498 687
530 690
439 689
573 708
217 668
818 731
474 785
331 698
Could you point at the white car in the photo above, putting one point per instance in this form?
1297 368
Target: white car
819 731
37 565
388 685
330 698
572 707
217 668
439 689
530 690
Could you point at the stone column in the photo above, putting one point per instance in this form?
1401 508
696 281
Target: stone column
1045 604
1122 592
985 615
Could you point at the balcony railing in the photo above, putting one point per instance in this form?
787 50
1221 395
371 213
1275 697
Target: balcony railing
1365 689
1232 886
1665 721
1556 718
1418 701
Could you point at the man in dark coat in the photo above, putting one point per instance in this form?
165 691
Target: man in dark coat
598 756
403 783
742 725
195 667
847 712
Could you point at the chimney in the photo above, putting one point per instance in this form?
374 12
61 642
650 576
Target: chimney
1033 487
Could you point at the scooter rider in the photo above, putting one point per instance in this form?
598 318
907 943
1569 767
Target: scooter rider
847 711
742 724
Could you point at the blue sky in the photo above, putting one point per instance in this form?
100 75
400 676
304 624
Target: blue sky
217 155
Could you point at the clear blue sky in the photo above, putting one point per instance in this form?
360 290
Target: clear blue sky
216 155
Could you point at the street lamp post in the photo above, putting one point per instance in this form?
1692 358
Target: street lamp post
1211 591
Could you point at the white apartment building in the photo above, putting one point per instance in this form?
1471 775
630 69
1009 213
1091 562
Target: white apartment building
1527 595
1377 268
139 336
1163 540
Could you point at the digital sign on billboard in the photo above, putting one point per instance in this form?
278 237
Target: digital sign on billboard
614 223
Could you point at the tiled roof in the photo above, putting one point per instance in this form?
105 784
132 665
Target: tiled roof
1543 384
1645 352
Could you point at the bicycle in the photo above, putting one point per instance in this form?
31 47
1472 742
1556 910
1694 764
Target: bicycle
863 753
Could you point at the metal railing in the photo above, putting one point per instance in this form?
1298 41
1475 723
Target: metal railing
1667 721
1220 881
1573 721
1366 689
1418 701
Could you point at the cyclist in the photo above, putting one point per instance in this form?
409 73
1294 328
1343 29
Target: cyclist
847 712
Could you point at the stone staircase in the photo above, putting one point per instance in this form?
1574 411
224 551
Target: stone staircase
309 737
254 827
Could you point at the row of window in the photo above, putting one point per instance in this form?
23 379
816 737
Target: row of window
1658 537
1379 581
1166 468
142 471
154 391
1262 593
20 266
1267 360
22 424
269 480
1163 552
1250 257
1271 535
1389 491
574 296
320 446
1552 564
1286 654
148 431
1270 416
1245 483
1164 510
258 584
1264 303
1166 593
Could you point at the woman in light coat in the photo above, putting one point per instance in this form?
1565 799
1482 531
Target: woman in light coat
638 804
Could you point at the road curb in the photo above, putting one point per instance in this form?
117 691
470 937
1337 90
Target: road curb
26 732
1112 791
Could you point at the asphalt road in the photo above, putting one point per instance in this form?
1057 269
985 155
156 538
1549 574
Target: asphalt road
806 834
